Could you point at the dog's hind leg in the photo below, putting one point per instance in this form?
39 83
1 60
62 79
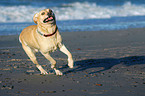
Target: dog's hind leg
70 60
53 63
32 56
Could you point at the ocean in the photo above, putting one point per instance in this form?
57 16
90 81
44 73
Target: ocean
73 15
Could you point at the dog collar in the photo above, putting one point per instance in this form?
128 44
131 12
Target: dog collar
47 34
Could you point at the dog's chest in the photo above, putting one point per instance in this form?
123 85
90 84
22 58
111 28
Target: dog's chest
48 44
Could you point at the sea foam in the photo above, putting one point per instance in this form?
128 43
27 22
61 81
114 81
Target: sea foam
71 11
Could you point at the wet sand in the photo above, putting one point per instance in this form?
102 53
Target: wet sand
107 63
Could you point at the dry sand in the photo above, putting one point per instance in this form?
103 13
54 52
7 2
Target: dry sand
107 63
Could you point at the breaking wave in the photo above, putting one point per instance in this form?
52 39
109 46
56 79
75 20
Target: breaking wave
71 11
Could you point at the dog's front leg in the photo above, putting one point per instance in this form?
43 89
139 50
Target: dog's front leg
53 63
32 56
70 60
48 57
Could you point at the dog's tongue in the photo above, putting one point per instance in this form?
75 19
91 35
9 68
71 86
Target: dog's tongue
50 18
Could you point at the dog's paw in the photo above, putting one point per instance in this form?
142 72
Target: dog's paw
44 72
58 72
41 69
53 66
70 63
71 66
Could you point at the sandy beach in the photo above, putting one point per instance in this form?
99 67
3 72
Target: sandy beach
107 63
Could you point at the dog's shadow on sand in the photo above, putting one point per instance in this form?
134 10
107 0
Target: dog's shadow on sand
106 63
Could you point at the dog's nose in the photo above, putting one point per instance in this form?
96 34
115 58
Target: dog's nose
49 14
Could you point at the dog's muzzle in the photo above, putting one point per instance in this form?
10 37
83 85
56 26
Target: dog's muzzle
50 17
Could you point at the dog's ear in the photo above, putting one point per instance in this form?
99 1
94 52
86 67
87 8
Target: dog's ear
35 18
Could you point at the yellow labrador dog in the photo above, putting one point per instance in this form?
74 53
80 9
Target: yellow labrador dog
44 37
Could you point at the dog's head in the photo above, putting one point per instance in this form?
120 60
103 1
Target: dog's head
45 16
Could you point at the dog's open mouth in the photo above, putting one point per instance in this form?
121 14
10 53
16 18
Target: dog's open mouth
48 19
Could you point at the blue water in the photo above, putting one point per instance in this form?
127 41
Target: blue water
74 15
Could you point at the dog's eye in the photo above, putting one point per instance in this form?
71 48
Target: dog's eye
42 13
